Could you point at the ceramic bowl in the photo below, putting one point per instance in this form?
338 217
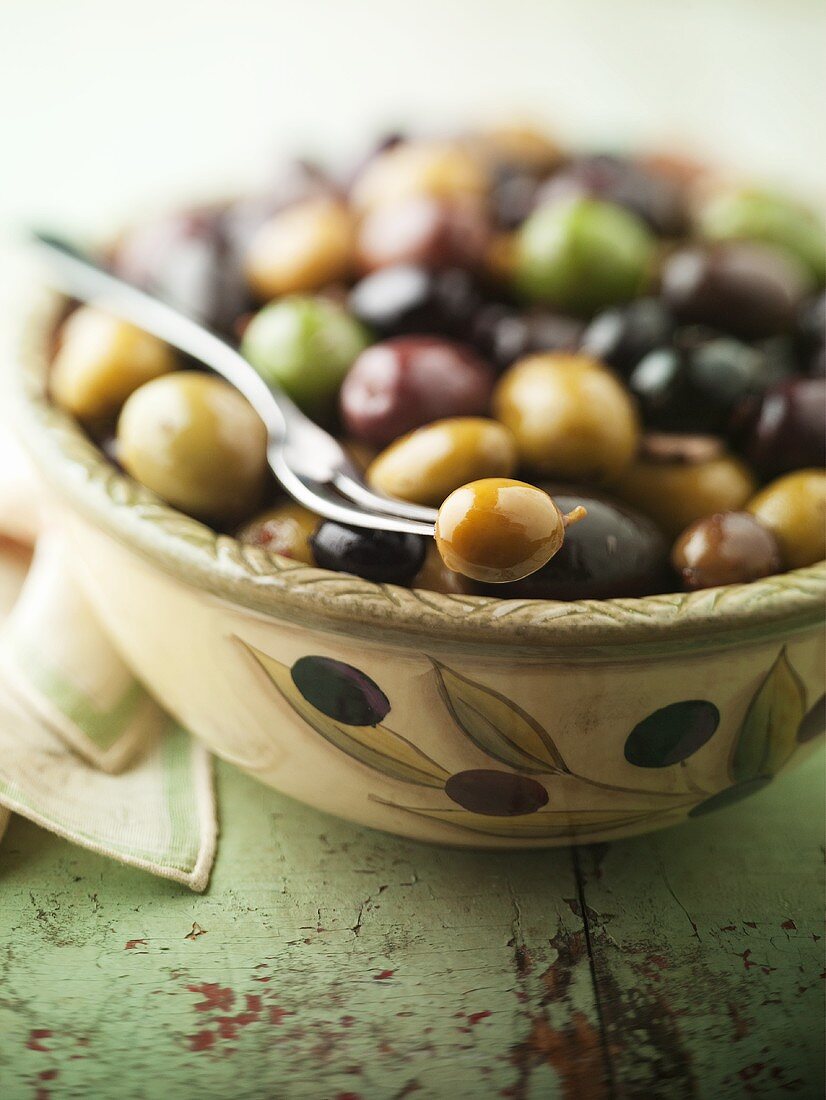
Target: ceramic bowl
458 719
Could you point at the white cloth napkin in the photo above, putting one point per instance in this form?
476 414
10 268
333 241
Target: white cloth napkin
85 751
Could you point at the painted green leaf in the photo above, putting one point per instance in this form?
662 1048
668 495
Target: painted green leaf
497 726
768 735
814 724
375 746
729 796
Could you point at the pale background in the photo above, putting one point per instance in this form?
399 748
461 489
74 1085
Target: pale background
111 103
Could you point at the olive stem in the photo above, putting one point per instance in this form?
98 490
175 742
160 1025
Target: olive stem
574 516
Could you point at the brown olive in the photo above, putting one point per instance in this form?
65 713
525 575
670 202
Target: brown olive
572 419
284 529
101 361
434 576
437 169
300 249
421 230
679 479
193 439
429 463
498 530
794 508
517 145
725 548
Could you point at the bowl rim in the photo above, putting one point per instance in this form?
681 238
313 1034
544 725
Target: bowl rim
274 586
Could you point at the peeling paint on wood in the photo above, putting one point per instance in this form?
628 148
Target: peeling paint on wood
329 961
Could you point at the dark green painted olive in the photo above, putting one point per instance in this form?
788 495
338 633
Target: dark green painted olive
729 796
671 734
340 691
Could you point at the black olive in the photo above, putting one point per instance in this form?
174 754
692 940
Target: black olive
388 557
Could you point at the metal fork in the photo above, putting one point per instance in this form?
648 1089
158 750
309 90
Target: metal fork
309 463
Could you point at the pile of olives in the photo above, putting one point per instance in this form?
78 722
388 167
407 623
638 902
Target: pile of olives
607 372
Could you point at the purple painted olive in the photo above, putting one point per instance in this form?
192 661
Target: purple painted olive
784 428
435 233
654 197
382 556
614 551
186 259
725 548
749 289
340 691
402 384
622 336
408 298
498 794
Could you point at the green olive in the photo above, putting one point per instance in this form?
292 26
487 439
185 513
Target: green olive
284 529
571 418
305 345
101 361
427 464
794 508
676 487
756 215
192 439
582 254
498 530
304 247
439 170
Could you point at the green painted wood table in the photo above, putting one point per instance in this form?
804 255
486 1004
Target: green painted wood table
327 961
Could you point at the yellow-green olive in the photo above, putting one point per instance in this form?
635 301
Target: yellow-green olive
498 530
101 361
300 249
685 479
430 462
192 439
794 508
434 576
436 169
571 418
284 529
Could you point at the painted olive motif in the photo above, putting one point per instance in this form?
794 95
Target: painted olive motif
340 691
497 794
671 734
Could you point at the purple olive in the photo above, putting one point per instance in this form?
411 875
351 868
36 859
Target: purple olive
742 287
784 428
340 691
398 385
497 794
186 259
435 233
